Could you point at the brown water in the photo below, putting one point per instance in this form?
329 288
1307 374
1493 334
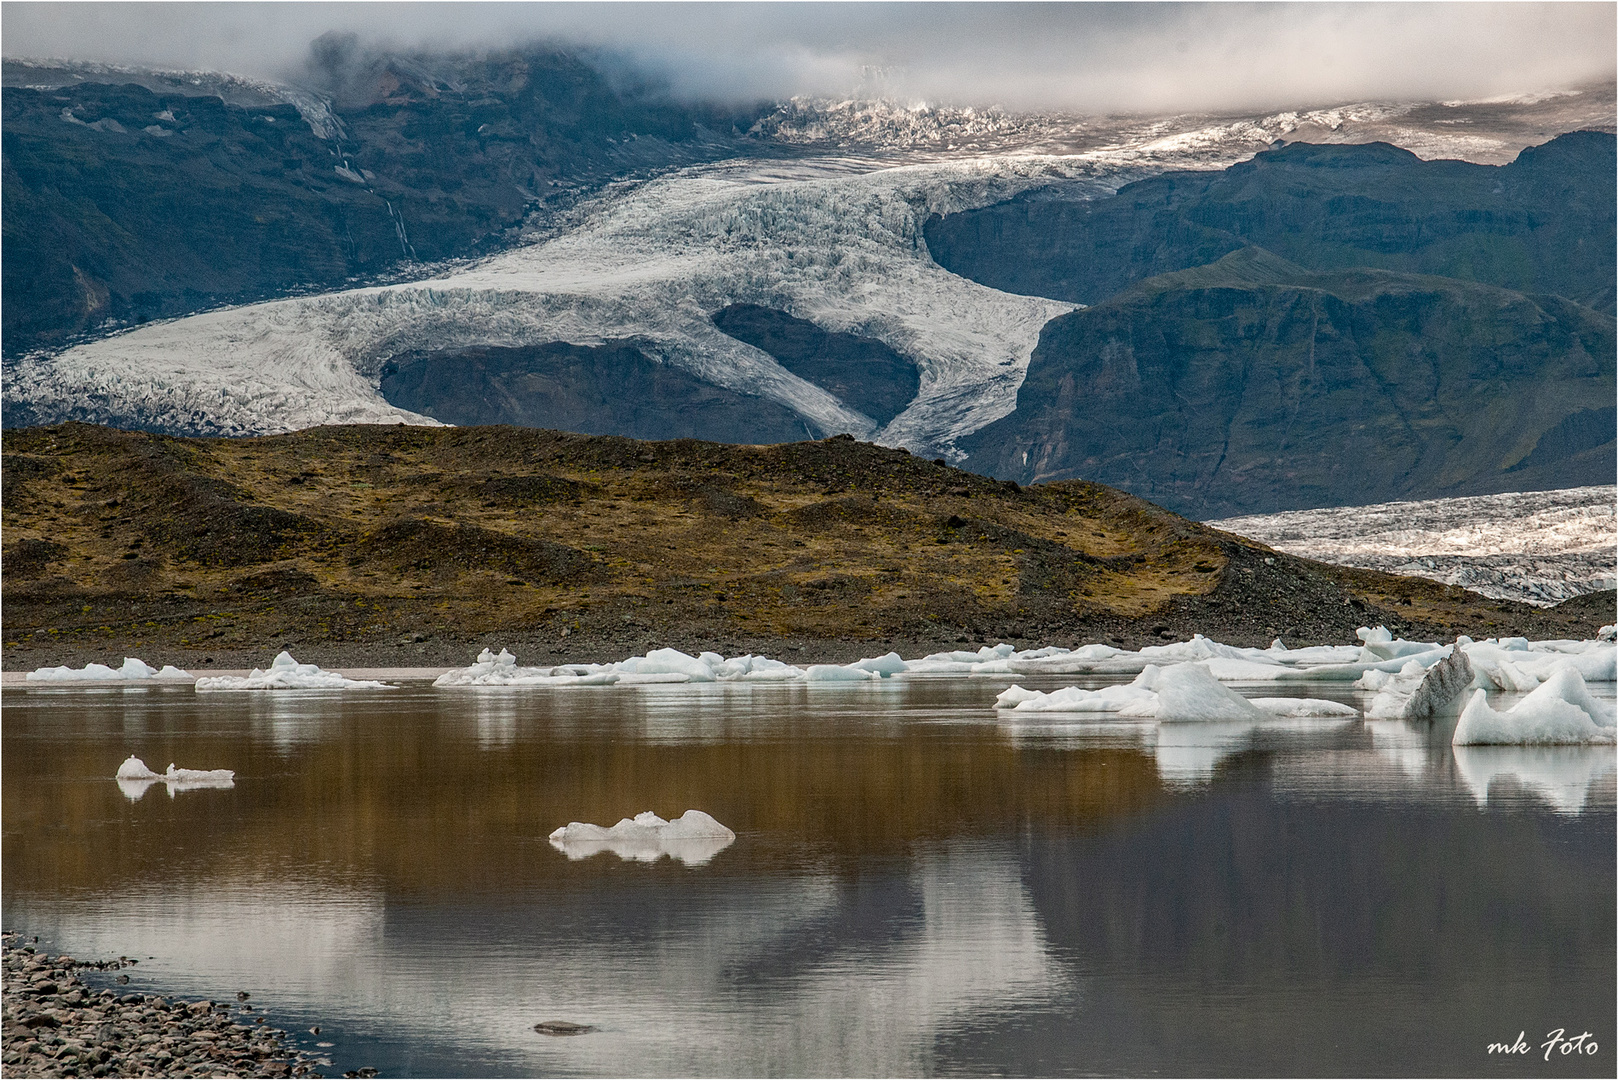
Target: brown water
915 887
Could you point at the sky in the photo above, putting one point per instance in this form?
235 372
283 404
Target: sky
1112 57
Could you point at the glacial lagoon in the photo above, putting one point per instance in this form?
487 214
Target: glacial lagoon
919 884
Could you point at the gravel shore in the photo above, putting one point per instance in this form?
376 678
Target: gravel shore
52 1024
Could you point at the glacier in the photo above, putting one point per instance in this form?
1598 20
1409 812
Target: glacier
1539 547
829 236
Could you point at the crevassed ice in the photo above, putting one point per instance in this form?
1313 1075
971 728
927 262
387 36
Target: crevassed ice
649 262
1539 547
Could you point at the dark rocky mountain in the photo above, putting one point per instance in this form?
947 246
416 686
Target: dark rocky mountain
862 372
1545 223
1253 385
133 196
611 389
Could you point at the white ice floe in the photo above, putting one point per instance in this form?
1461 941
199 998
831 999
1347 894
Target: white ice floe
285 673
693 838
1182 693
134 778
133 670
1373 663
1560 711
663 666
1561 775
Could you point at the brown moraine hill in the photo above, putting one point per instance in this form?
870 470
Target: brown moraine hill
408 546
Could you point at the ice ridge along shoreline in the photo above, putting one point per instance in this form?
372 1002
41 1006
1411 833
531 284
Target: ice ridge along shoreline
1509 663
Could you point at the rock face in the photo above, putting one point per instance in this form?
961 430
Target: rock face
1544 223
611 389
128 202
1254 386
862 372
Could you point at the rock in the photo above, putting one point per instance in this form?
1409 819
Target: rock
562 1027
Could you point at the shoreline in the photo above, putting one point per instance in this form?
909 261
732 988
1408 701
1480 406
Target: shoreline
53 1024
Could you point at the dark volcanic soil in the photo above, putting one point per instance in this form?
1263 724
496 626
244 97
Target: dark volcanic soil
395 546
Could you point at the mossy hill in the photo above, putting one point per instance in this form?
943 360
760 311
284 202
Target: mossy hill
412 545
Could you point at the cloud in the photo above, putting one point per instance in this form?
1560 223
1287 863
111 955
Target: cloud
1087 57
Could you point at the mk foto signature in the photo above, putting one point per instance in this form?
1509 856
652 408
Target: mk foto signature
1555 1042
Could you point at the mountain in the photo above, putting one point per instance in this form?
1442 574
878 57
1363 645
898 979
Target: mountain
524 238
1253 385
133 196
1544 223
371 541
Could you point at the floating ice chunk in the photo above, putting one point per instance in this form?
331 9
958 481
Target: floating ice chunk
285 673
1418 693
1188 693
495 669
1608 633
134 768
693 838
670 662
1302 708
1503 675
1561 775
133 670
886 665
1232 669
1561 711
134 778
839 673
197 776
1178 694
1381 645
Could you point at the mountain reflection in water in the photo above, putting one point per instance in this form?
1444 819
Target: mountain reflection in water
916 887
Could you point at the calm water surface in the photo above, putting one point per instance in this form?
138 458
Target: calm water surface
916 887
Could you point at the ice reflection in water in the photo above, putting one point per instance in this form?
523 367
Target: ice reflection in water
1561 775
917 885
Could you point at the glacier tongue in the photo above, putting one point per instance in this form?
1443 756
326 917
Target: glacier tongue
647 262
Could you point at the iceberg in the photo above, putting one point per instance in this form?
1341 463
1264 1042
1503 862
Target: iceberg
692 838
285 673
1180 693
134 778
1418 693
1560 711
1401 673
133 670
